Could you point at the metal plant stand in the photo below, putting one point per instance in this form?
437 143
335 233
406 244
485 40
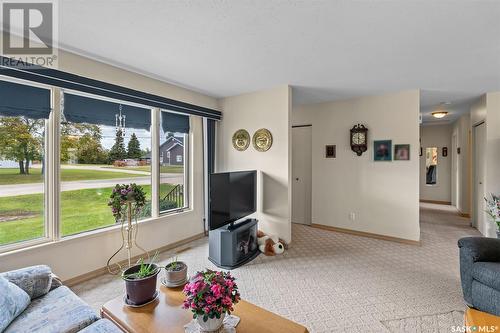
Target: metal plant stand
129 241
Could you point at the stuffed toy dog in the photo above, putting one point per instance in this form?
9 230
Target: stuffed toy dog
270 245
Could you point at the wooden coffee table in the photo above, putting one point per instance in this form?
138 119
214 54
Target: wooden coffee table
165 315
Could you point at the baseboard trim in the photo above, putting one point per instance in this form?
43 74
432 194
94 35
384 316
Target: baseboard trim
103 270
467 215
437 202
366 234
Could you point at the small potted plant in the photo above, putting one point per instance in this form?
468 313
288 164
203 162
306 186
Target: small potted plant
493 210
140 281
210 295
176 272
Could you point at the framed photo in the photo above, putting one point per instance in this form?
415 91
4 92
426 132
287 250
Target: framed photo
401 152
445 151
330 151
382 150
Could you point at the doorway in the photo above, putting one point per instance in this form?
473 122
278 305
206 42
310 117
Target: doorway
302 174
479 173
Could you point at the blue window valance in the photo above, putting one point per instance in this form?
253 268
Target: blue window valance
81 109
23 100
174 122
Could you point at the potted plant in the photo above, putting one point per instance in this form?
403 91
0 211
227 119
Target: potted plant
176 272
140 281
126 203
210 295
493 210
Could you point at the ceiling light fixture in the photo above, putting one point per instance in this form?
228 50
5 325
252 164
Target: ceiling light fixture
439 114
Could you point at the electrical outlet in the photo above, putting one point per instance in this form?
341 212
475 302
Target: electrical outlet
352 216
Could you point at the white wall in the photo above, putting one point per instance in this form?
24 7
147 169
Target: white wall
436 136
264 109
462 176
492 179
76 256
487 109
383 195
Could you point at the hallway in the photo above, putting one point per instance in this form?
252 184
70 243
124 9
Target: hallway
442 215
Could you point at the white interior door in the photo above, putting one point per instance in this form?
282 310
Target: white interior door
479 173
302 174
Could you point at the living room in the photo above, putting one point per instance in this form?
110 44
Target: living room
310 166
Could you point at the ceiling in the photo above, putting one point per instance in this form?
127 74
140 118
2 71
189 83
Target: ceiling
327 50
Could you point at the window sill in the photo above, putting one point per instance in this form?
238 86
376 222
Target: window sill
43 242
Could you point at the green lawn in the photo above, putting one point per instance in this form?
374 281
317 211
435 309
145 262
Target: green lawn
81 210
11 175
147 168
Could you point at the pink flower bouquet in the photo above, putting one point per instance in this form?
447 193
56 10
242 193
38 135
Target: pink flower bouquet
211 294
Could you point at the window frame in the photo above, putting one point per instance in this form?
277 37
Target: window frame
47 235
52 181
188 137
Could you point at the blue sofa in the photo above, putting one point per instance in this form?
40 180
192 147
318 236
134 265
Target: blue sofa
54 308
480 273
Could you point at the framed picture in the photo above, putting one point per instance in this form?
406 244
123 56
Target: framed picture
445 151
401 152
382 150
330 151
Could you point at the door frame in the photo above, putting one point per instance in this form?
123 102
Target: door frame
475 215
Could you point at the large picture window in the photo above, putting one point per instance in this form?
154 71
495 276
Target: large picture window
102 143
174 135
24 110
97 143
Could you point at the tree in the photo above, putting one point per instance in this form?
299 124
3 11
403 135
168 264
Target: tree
21 140
85 141
134 147
90 151
118 151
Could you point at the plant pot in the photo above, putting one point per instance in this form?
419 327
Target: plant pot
498 233
140 291
211 325
177 275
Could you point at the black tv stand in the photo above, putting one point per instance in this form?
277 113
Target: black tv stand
233 245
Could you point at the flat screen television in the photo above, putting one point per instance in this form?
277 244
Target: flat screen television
233 195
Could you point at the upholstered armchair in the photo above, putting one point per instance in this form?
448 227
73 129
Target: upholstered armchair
480 273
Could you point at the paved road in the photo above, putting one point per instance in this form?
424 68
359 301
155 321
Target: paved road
21 189
99 168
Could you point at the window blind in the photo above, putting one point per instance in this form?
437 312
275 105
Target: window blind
81 109
23 100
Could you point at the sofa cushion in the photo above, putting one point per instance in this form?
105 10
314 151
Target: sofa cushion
60 311
487 273
13 301
35 280
101 326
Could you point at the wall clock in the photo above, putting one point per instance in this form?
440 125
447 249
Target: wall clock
241 140
359 139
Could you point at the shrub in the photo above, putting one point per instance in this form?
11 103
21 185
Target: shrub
119 164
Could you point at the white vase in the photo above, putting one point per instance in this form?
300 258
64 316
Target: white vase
211 325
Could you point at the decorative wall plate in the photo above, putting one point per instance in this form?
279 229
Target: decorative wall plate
262 140
241 140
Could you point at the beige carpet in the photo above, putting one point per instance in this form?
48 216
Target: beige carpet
333 282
